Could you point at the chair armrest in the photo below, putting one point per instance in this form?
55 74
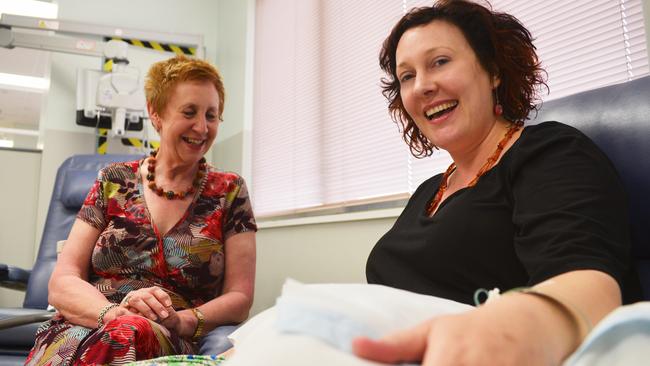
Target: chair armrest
216 341
36 316
19 337
13 277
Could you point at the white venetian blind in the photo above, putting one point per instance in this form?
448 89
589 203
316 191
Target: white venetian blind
321 133
584 44
322 136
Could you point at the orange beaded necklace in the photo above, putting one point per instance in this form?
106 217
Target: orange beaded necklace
171 195
488 164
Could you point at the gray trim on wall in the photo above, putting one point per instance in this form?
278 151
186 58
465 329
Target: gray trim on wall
19 149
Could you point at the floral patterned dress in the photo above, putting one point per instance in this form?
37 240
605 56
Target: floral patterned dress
187 262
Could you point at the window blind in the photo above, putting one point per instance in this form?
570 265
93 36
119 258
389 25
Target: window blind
584 44
322 136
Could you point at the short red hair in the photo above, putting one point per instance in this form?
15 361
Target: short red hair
163 76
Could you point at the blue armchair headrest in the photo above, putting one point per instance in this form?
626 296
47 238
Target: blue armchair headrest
76 187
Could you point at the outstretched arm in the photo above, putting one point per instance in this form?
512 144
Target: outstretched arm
516 329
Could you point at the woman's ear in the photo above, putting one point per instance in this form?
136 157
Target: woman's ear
154 118
496 81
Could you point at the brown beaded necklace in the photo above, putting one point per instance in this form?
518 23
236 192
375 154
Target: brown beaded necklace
488 164
170 195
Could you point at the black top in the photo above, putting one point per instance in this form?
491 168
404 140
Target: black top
554 203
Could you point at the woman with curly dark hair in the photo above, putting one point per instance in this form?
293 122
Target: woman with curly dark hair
537 211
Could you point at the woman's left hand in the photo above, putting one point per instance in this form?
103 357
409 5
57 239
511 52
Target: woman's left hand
182 322
516 329
509 333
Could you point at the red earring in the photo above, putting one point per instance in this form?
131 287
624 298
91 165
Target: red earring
498 108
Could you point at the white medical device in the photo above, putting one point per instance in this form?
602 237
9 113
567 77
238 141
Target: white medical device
114 99
118 94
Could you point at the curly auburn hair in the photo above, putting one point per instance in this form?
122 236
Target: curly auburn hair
164 75
503 46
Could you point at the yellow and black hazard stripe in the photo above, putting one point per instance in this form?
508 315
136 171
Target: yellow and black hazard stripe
164 47
141 143
102 140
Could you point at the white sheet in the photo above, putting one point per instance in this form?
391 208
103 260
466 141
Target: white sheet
315 324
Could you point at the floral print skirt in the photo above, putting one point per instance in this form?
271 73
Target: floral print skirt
121 341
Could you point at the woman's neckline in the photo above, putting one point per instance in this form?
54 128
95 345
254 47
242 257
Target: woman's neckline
505 155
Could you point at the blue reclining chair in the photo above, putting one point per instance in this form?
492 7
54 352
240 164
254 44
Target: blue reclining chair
73 181
617 119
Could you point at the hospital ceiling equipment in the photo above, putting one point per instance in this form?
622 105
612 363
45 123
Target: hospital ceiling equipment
111 96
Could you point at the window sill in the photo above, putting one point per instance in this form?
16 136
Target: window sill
325 219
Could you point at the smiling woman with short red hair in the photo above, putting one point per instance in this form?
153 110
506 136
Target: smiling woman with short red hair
163 249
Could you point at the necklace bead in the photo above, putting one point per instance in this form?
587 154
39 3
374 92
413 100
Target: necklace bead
488 164
170 195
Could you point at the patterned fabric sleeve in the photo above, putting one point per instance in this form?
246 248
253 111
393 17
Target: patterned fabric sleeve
93 211
239 218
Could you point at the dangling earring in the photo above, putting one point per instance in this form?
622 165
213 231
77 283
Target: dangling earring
498 108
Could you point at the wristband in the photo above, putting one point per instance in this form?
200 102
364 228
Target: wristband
198 332
578 318
102 313
581 321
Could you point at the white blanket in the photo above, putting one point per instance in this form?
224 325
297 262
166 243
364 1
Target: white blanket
315 324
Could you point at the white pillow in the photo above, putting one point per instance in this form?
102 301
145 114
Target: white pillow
259 322
315 324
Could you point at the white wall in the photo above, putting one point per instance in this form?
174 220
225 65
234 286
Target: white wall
317 253
18 194
234 25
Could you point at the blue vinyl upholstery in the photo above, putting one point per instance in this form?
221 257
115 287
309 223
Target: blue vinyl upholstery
73 181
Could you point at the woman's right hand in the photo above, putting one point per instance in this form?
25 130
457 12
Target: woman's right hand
117 312
155 304
151 302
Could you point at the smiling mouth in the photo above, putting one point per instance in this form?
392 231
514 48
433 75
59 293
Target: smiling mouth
193 141
440 110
